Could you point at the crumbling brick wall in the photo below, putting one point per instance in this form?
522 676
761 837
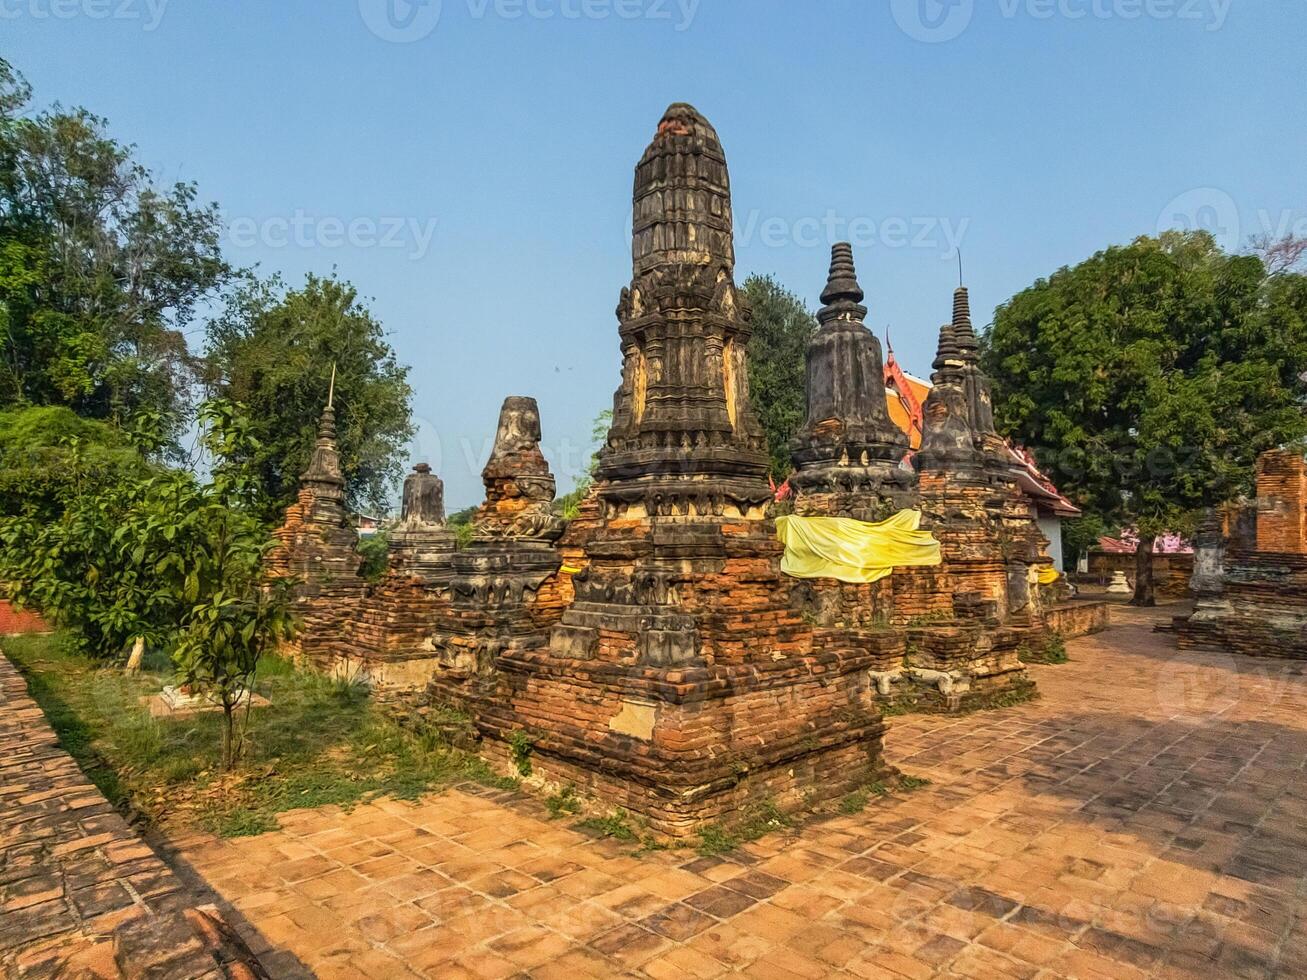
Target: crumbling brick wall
1282 502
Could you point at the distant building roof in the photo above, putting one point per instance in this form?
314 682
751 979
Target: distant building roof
906 394
1128 542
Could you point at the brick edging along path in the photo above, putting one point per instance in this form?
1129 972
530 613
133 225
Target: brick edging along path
80 893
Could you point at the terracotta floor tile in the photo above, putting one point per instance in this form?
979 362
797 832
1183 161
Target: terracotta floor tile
1092 831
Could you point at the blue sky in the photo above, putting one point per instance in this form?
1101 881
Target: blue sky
472 172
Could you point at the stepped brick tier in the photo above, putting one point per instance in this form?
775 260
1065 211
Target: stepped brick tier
1254 602
318 547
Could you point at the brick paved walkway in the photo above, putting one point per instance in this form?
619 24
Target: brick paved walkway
1146 818
81 895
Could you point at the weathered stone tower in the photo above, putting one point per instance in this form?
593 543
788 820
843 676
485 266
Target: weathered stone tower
847 456
681 684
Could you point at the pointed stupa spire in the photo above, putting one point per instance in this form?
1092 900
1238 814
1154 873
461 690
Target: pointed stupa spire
843 295
963 333
324 467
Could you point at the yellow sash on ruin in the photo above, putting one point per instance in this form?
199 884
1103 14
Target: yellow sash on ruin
854 551
1048 575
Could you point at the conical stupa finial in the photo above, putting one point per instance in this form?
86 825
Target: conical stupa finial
947 356
842 296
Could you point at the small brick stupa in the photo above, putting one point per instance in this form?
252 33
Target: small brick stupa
499 602
989 534
391 633
848 456
318 547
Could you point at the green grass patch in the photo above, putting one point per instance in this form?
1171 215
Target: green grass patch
616 825
319 741
563 803
755 823
1053 652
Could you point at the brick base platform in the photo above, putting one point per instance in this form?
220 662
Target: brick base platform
81 895
1143 819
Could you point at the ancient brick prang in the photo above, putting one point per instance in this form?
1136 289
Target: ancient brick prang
318 548
681 682
684 437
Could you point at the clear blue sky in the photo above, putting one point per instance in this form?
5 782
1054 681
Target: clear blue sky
1040 130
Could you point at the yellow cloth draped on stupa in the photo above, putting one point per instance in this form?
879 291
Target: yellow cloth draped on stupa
854 551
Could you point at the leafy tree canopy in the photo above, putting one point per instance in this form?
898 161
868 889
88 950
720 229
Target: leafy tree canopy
101 270
782 329
49 455
272 350
161 557
1148 378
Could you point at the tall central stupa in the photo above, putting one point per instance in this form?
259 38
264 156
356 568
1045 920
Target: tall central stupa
684 439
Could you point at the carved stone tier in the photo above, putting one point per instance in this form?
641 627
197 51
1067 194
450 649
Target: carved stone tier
847 456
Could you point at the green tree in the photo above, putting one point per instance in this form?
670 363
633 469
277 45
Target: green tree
100 270
273 351
1148 378
233 613
568 505
49 455
161 558
782 329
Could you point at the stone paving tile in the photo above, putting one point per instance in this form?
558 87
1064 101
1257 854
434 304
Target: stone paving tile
1145 818
81 895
